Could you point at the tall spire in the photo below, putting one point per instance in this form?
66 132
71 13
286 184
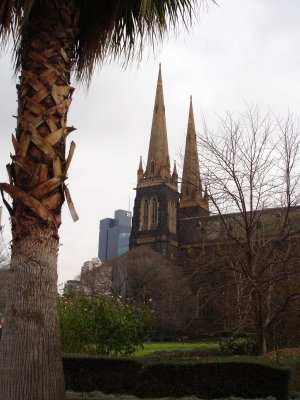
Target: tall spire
140 172
158 163
191 187
175 174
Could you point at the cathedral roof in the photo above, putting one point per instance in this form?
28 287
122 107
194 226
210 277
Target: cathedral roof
158 154
158 162
191 187
191 171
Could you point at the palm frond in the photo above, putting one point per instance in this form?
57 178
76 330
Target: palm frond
110 30
14 15
120 30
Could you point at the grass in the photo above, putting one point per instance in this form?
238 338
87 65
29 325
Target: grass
171 346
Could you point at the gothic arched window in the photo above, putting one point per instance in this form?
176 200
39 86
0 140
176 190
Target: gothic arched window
204 300
144 214
153 213
172 216
152 167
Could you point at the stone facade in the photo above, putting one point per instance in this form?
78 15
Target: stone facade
159 207
160 231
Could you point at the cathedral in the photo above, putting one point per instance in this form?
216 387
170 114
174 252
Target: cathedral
160 210
242 268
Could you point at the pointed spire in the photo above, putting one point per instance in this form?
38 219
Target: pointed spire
191 187
175 174
175 169
141 164
158 163
140 172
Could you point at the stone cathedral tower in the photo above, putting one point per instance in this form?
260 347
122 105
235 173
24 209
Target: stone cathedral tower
192 201
156 208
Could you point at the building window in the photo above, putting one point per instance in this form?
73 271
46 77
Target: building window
172 216
149 214
152 167
204 300
144 214
146 210
154 212
186 190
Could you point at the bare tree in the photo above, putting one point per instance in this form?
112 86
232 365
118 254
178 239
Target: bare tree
97 280
251 171
145 276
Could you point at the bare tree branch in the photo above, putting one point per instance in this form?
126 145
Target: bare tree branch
251 171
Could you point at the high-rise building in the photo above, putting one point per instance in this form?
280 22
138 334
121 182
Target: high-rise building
114 235
123 243
90 265
72 285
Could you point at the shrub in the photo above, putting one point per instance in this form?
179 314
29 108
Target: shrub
205 380
239 346
102 326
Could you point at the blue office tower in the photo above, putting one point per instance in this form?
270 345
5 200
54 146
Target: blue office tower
114 235
123 243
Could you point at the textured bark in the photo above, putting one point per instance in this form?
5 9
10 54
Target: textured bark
31 366
30 357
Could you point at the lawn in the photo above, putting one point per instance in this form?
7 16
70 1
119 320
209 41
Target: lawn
171 346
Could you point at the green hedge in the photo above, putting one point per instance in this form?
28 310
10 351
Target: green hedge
214 379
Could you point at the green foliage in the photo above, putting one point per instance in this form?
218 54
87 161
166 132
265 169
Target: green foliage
240 346
102 326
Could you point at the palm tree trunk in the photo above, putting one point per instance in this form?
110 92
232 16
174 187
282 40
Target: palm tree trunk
30 357
31 365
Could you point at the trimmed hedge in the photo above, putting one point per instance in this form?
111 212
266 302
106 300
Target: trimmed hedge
214 379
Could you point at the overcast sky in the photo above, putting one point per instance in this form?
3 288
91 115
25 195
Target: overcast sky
244 51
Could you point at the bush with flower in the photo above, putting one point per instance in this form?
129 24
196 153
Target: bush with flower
99 325
239 346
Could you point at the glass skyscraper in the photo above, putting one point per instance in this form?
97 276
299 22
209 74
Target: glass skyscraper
114 235
123 243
